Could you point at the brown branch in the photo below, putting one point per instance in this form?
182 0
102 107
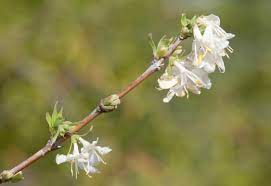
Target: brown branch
156 64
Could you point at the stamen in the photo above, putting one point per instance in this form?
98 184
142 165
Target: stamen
220 31
186 91
230 49
72 168
201 56
199 83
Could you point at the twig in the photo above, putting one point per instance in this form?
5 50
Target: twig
155 66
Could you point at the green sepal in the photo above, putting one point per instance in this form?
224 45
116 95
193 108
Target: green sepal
74 138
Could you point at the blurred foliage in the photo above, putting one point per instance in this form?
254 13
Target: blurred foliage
79 51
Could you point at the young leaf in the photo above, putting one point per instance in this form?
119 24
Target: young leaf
162 42
54 115
163 46
49 119
193 20
152 44
61 112
184 20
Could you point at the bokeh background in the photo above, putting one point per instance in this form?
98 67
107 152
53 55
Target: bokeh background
78 51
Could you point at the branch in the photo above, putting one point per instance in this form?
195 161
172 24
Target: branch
155 66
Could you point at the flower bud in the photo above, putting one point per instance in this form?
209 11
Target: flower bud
109 103
8 176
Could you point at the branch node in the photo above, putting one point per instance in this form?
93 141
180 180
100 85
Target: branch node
157 64
109 103
9 176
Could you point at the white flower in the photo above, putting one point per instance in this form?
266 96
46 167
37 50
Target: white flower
167 81
183 78
76 159
213 22
209 47
86 159
94 151
207 58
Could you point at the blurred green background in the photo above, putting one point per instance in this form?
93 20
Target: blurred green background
78 51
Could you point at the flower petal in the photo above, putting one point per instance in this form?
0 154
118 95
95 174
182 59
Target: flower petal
60 158
169 96
75 149
211 19
167 83
85 143
92 170
103 150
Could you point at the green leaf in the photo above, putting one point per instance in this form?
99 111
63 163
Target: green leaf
162 42
184 20
61 112
152 44
57 124
62 131
54 137
55 114
193 20
163 46
49 119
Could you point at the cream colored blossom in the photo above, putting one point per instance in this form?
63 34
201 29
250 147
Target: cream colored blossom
209 47
184 78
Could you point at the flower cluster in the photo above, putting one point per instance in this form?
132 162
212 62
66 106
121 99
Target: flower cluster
86 158
190 73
